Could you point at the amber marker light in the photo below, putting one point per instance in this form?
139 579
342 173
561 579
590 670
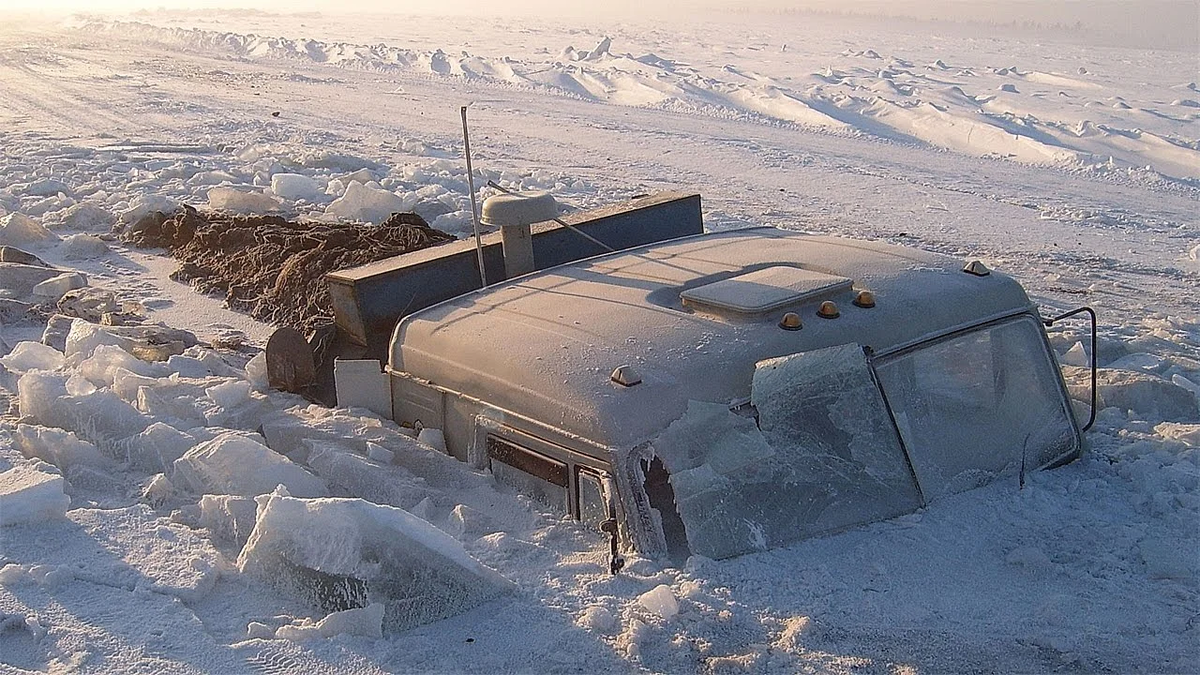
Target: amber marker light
828 310
864 299
791 321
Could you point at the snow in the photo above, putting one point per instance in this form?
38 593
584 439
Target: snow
366 621
1080 183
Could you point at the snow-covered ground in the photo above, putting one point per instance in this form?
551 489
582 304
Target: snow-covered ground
1074 168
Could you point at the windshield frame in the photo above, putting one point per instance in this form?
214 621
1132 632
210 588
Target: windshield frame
1046 359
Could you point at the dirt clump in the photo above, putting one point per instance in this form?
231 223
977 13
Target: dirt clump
271 267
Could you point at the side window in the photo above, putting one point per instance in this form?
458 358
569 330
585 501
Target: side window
542 478
593 507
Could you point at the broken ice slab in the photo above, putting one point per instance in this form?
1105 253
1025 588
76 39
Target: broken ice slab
32 494
368 204
17 229
228 517
239 201
359 476
32 356
156 449
296 186
341 554
235 464
58 447
19 279
57 286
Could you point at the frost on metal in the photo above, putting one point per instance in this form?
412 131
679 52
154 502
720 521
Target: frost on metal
823 455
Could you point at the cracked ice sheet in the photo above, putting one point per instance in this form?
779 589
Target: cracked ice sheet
822 457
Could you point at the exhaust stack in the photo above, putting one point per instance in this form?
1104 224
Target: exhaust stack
513 213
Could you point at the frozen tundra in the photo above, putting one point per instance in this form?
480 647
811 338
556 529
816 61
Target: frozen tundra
708 394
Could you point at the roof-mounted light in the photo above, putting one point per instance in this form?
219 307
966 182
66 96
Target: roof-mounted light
864 299
626 376
791 321
977 268
828 310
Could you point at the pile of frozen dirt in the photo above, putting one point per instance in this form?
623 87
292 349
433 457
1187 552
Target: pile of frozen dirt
271 267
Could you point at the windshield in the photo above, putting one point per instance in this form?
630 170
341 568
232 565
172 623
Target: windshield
822 450
978 405
822 455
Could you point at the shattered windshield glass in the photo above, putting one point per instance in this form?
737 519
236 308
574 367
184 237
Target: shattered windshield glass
977 406
823 455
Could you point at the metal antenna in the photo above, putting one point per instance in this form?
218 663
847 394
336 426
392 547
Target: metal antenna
474 206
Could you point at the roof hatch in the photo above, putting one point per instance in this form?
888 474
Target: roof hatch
764 290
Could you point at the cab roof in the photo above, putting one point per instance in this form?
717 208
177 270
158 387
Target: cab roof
691 316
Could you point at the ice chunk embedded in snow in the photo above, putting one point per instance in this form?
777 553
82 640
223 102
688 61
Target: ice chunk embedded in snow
1076 355
228 517
106 360
391 485
57 286
31 494
84 216
348 553
58 447
240 201
126 384
229 394
362 384
295 186
1188 434
661 601
234 464
84 337
256 371
83 247
100 417
433 438
1148 396
37 394
145 204
32 356
366 621
368 204
378 453
19 230
156 449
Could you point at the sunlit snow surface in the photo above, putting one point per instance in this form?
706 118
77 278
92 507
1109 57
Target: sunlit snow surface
1071 167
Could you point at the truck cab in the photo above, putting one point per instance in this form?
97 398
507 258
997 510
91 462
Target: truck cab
723 393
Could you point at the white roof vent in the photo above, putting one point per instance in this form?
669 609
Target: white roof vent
764 290
518 209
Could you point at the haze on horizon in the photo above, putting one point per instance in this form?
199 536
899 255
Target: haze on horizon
1173 24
